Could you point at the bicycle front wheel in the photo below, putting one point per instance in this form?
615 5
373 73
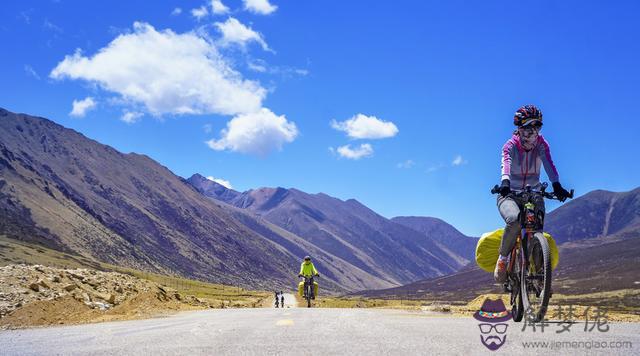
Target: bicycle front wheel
536 278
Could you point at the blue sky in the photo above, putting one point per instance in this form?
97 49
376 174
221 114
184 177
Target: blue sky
437 83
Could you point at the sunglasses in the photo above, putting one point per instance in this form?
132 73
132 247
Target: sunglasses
530 128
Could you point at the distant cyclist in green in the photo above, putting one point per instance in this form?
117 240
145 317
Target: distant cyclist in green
307 269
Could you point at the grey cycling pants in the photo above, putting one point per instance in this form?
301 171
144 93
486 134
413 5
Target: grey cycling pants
510 209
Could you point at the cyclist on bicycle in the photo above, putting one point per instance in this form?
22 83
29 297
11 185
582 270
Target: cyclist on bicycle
522 156
307 269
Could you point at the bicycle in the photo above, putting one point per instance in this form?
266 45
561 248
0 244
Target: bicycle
308 294
529 279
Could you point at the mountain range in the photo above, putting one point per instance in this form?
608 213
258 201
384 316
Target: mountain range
63 190
599 242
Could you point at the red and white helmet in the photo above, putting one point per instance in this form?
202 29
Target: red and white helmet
526 115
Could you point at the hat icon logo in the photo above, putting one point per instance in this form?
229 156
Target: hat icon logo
493 317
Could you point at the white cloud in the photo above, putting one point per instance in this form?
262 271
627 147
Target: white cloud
51 26
234 32
218 8
262 7
436 167
222 182
261 66
458 160
200 12
31 72
256 133
406 164
364 150
208 128
166 72
131 117
366 127
81 107
177 11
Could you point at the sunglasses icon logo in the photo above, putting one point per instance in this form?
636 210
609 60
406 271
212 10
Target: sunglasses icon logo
486 328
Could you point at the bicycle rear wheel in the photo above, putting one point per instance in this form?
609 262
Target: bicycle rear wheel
536 278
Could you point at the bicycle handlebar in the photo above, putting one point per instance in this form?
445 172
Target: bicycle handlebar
309 277
496 190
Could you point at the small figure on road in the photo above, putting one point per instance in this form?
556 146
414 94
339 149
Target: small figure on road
282 299
277 299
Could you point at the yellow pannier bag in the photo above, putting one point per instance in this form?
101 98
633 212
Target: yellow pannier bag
301 289
488 249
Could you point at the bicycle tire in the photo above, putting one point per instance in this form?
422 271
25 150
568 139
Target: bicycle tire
539 307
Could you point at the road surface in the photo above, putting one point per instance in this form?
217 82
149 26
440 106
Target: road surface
301 331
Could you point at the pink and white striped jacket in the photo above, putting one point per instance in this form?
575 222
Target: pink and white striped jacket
523 167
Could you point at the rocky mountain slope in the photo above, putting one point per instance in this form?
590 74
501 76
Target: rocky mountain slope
447 236
597 213
63 190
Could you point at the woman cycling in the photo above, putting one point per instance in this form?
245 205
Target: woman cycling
522 156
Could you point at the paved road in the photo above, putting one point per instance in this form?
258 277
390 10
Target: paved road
297 331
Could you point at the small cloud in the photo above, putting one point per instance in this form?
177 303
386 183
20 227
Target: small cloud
222 182
177 11
234 32
81 107
31 72
434 168
364 150
131 117
25 16
208 128
366 127
261 7
458 161
257 66
51 26
406 164
200 12
261 66
218 8
256 133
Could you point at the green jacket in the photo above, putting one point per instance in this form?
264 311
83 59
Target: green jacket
308 269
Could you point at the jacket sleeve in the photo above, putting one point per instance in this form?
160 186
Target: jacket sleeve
315 271
545 156
507 151
301 268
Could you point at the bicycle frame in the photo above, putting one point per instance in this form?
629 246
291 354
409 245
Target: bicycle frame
521 279
308 289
